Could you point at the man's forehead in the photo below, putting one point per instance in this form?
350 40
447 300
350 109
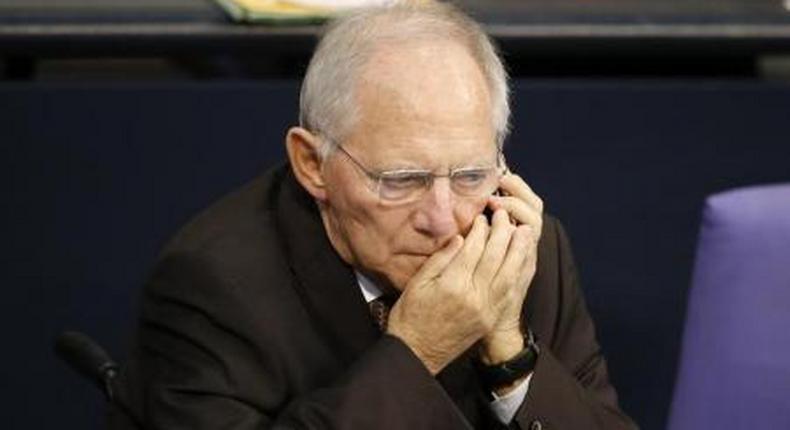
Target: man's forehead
432 153
420 64
422 104
422 81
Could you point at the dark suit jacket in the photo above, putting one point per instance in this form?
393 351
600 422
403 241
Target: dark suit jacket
251 320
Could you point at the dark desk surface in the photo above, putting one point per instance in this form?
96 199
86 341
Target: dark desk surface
161 27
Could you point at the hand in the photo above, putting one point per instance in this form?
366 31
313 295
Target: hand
525 208
459 294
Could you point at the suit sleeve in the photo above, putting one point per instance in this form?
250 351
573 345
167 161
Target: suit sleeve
195 367
570 387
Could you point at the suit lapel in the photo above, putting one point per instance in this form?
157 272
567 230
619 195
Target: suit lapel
326 284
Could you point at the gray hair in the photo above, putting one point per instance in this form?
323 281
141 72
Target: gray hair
327 105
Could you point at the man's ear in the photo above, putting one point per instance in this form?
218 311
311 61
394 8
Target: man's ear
303 153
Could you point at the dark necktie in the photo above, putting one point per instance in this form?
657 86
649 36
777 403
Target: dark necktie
380 311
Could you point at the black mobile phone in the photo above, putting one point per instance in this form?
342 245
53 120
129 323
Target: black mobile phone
489 214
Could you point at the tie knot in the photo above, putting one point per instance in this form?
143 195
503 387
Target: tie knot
380 311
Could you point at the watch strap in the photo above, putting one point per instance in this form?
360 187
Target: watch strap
507 372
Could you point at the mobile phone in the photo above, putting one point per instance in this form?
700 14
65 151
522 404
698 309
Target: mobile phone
487 212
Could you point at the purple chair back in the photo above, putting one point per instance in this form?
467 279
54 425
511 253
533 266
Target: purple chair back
734 370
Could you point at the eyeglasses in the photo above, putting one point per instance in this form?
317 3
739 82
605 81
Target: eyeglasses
404 186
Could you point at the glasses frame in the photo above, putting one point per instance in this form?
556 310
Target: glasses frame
500 168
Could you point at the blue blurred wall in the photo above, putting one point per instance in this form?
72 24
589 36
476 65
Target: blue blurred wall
97 176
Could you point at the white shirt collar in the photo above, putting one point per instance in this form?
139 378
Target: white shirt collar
369 290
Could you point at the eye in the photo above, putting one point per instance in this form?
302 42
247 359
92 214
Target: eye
470 178
403 181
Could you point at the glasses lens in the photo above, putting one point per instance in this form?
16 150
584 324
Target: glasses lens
475 182
403 186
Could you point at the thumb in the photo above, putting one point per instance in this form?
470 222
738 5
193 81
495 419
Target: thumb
436 264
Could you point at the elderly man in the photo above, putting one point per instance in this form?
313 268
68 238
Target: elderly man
360 286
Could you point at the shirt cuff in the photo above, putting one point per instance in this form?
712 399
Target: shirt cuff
505 407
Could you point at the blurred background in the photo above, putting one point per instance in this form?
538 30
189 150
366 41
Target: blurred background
119 119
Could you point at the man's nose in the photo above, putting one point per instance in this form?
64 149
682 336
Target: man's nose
436 217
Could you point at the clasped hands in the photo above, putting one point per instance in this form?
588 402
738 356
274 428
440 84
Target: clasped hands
473 289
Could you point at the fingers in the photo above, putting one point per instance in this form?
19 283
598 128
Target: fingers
521 212
437 263
467 258
495 248
515 186
523 205
521 249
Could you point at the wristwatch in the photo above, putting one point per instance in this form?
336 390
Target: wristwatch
507 372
